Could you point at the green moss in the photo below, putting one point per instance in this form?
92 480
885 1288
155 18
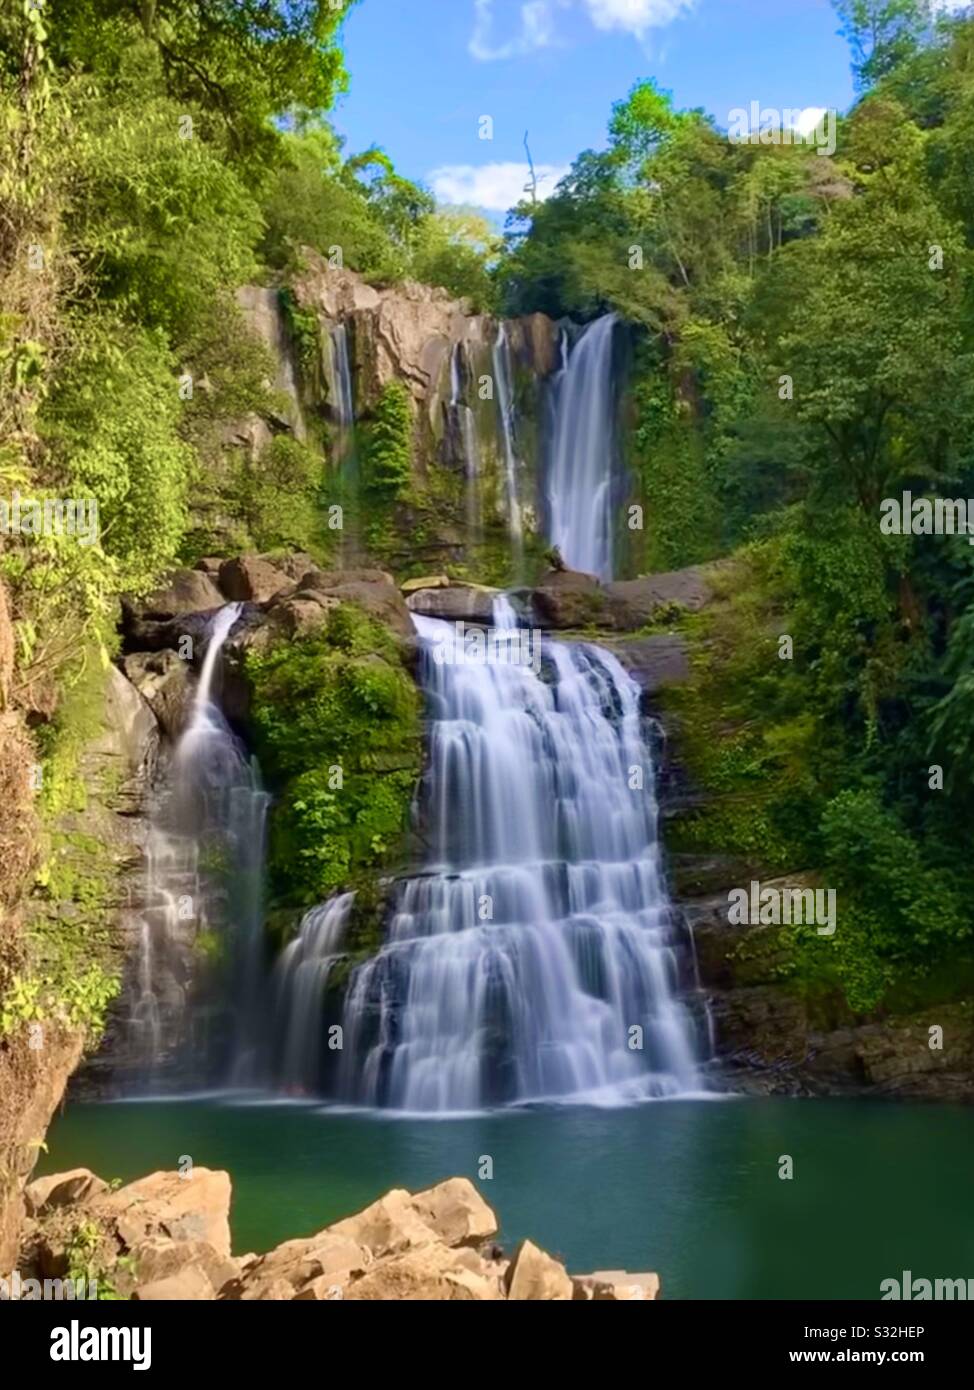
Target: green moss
278 498
337 726
387 444
739 741
305 333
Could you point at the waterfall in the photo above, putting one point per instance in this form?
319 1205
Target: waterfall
503 379
579 482
535 958
298 992
205 855
340 385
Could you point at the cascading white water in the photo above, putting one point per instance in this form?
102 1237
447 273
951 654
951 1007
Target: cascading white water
298 991
579 479
535 958
205 855
340 385
503 380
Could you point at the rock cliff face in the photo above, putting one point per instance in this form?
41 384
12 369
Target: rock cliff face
98 846
339 342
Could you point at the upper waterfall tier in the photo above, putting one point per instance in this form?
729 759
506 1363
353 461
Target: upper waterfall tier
582 451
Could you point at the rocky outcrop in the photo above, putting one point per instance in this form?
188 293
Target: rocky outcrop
264 316
167 1237
252 579
162 679
470 603
772 1041
283 596
45 1195
407 332
185 591
564 599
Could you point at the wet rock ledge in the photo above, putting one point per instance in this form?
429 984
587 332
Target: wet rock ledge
167 1237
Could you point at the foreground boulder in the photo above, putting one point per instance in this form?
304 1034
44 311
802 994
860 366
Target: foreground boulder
536 1276
196 1207
62 1190
615 1286
167 1238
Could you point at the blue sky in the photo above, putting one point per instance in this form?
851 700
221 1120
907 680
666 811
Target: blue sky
424 72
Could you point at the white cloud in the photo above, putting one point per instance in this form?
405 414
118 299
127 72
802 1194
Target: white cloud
636 16
537 30
496 187
536 22
810 119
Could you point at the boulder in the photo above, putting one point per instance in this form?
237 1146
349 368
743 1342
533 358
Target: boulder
185 591
303 614
154 635
568 598
428 581
643 598
456 1213
375 596
427 1273
313 578
160 1260
294 564
189 1285
192 1208
458 603
62 1190
388 1226
252 579
162 679
210 565
535 1276
615 1286
328 1260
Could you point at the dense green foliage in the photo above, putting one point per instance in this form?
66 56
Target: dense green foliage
804 351
387 443
336 722
155 157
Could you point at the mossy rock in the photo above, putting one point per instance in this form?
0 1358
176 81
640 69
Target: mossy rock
337 724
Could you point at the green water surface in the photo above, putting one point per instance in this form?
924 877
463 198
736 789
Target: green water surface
688 1189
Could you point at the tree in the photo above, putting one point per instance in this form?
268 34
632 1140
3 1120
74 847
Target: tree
240 62
882 34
